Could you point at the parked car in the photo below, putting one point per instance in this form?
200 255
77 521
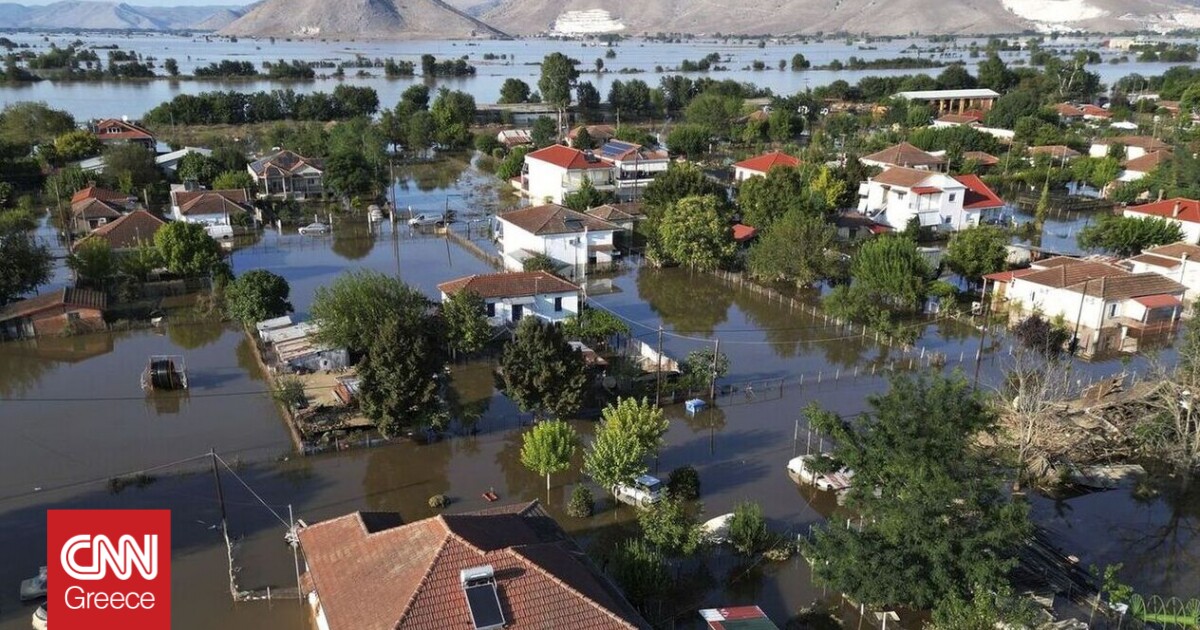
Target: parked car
801 469
642 492
426 219
39 617
315 228
220 232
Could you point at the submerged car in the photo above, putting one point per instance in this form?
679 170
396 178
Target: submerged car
642 492
314 228
426 219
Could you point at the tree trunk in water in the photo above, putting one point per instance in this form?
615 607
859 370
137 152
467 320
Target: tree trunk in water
547 487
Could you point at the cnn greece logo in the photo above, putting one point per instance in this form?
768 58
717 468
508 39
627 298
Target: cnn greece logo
123 557
109 569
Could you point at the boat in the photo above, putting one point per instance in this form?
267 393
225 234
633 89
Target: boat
800 469
716 530
34 587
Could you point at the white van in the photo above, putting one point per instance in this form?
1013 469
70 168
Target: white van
426 219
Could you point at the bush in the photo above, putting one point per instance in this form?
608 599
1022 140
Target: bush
748 529
581 503
684 482
438 501
290 391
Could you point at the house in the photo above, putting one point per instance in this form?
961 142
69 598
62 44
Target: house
906 155
296 349
852 225
287 174
737 618
1068 113
634 166
120 131
552 173
569 238
1135 146
940 201
758 166
126 232
93 207
1183 212
623 215
1137 168
53 313
511 138
970 118
1057 152
953 101
214 209
1178 261
508 297
1107 308
1094 112
984 161
600 134
169 162
507 567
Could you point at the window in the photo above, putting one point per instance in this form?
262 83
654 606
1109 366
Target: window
491 309
1112 310
952 196
557 305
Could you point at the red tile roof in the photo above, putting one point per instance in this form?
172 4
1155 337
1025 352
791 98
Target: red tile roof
1154 260
93 208
284 162
210 201
502 285
1094 111
1068 110
978 195
1177 250
1187 210
767 161
555 219
127 130
1158 301
983 159
69 297
961 119
743 233
568 158
1103 280
127 232
1006 276
1056 151
103 194
1147 162
926 190
372 574
905 154
1147 143
902 177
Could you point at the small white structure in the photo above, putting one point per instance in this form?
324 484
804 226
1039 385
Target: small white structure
169 162
940 201
508 297
1135 146
551 173
571 239
1178 261
953 101
1183 212
267 326
760 165
296 348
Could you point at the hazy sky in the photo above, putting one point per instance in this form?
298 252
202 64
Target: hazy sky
151 3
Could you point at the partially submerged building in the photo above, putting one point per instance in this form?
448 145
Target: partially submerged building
508 297
57 312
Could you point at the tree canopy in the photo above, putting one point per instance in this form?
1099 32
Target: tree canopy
796 249
542 373
558 75
467 328
398 377
977 251
187 249
351 310
640 418
257 295
1128 236
696 232
547 448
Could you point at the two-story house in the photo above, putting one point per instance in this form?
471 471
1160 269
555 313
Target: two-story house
93 207
760 165
1106 308
1178 261
507 297
1182 212
287 174
217 210
554 172
634 166
939 201
121 131
571 239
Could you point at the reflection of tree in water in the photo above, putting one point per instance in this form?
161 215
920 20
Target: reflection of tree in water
430 176
710 418
692 302
193 335
1166 553
353 241
20 368
520 483
469 393
402 477
246 359
792 332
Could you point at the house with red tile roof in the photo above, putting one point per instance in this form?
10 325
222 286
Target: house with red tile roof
126 232
939 201
759 165
1134 146
907 156
286 174
507 297
569 238
1137 168
217 210
1182 212
1068 112
1178 261
53 313
116 131
92 207
551 173
1109 308
507 567
972 118
1094 112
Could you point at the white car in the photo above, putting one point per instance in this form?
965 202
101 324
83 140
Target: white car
426 219
642 492
801 470
314 228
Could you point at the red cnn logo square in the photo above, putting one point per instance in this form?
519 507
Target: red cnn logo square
109 569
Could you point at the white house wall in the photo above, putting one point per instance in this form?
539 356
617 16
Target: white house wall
1191 231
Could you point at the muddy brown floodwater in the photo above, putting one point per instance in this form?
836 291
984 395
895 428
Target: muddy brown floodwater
73 415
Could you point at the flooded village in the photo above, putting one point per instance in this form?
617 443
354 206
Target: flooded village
822 356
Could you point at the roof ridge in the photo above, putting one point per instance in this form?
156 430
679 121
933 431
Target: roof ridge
516 549
412 598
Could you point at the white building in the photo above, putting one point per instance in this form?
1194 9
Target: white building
510 296
1183 212
634 166
953 101
1135 146
939 201
556 171
1137 168
571 239
169 162
1106 308
1178 261
217 210
760 165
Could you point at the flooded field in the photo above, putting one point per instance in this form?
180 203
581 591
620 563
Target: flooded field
74 416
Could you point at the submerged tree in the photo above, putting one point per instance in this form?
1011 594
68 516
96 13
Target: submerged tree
467 328
257 295
547 448
398 378
542 372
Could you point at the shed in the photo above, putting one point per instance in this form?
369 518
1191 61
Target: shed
61 311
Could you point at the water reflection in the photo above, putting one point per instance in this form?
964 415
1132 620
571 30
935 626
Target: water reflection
353 240
194 335
693 302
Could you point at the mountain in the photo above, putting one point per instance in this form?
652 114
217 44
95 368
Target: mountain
85 14
378 19
881 17
219 20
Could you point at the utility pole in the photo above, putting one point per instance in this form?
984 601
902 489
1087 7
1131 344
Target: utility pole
295 552
658 372
712 384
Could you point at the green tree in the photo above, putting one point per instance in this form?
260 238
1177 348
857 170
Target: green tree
94 263
1128 236
689 140
24 264
671 528
695 232
77 145
748 529
348 173
544 132
257 295
714 112
139 262
794 249
539 262
889 272
453 114
977 251
351 311
467 328
800 63
398 378
594 326
233 180
171 66
514 91
640 418
681 180
614 457
131 166
1012 107
935 525
27 124
542 373
187 249
558 75
702 367
641 572
198 167
547 448
583 140
587 196
994 74
784 189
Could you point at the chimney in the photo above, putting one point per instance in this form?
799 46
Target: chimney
1177 209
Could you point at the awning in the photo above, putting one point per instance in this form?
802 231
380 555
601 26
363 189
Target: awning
601 248
1159 301
926 190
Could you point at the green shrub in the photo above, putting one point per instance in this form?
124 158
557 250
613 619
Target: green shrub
684 482
748 529
290 391
438 501
581 503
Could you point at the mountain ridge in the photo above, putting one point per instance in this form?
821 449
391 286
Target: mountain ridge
93 14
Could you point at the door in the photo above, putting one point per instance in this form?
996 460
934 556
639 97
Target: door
517 311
